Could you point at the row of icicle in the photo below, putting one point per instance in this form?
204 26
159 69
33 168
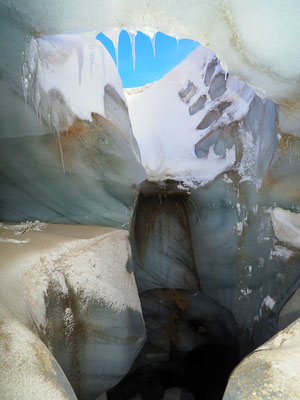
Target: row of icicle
113 35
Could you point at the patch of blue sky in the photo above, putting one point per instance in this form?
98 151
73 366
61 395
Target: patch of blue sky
148 68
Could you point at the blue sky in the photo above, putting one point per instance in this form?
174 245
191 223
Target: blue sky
148 68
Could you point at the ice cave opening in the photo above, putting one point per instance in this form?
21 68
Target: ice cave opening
150 240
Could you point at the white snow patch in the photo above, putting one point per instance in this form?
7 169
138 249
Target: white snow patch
23 227
265 225
166 131
247 165
269 302
280 252
246 291
227 179
15 241
240 225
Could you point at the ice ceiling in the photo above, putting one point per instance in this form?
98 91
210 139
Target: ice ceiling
68 155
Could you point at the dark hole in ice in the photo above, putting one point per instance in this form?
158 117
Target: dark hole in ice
201 375
192 341
195 325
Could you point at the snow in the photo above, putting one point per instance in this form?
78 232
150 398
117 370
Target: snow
249 159
23 227
269 302
286 226
15 241
167 132
59 61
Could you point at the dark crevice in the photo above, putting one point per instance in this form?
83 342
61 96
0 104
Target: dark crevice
192 341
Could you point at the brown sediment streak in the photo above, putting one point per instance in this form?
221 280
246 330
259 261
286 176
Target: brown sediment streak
156 200
182 301
57 330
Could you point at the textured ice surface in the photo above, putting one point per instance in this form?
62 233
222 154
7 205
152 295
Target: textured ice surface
28 370
270 371
238 257
73 286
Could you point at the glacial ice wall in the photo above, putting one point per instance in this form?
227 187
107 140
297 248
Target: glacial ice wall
77 159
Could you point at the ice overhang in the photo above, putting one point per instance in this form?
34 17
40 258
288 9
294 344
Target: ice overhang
257 41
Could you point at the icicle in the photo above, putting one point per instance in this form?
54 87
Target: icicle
153 43
132 35
60 150
26 76
80 64
113 35
25 81
177 40
91 41
151 35
92 59
92 54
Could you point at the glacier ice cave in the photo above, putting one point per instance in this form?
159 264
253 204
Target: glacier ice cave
150 237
